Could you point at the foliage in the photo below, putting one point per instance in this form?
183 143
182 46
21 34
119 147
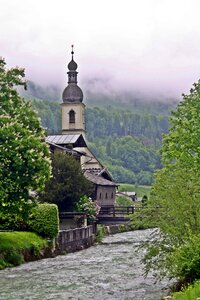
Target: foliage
176 195
68 183
119 123
143 218
127 159
182 142
24 155
50 115
12 222
87 206
44 220
192 292
100 233
14 244
186 260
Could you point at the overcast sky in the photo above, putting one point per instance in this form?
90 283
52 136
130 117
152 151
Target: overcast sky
131 44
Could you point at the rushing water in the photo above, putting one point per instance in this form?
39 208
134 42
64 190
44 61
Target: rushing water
109 271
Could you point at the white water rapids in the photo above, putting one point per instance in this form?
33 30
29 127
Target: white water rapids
112 270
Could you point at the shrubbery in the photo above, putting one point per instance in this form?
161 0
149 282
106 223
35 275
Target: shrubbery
186 260
11 222
86 205
44 220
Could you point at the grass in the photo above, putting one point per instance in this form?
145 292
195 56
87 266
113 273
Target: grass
14 244
141 190
190 293
123 201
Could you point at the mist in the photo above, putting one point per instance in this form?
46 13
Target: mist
146 47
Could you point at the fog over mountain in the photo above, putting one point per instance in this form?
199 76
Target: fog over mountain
149 47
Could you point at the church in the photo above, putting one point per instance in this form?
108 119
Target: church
73 139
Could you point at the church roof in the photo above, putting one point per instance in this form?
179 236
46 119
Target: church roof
76 140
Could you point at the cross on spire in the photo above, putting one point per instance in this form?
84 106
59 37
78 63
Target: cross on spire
72 50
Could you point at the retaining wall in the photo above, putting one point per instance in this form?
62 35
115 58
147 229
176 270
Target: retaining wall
74 239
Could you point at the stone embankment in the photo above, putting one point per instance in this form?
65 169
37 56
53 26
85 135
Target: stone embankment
74 239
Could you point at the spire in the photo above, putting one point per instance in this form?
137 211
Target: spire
72 51
72 66
72 92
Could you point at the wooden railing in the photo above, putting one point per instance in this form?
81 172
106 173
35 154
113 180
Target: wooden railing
116 210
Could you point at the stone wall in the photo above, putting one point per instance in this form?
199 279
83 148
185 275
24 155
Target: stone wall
74 239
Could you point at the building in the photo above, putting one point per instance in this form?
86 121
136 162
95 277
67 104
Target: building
73 139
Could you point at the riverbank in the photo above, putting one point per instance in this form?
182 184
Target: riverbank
18 247
192 292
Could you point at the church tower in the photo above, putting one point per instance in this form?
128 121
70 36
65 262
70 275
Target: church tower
73 120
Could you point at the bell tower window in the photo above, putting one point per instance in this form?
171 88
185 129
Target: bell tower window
72 116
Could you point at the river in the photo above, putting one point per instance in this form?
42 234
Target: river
112 270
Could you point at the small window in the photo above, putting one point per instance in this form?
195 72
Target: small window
72 116
112 196
106 196
100 196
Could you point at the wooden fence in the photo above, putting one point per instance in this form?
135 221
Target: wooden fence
116 210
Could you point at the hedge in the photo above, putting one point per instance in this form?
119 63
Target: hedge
44 220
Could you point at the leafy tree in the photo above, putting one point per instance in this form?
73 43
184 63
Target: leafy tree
183 143
176 193
24 155
68 183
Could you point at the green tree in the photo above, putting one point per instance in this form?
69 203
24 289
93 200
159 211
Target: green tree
24 155
68 183
182 144
176 193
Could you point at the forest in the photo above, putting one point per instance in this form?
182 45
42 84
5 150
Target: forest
126 137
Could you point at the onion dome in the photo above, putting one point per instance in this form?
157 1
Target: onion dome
72 93
72 66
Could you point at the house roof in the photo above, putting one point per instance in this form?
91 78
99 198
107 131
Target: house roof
54 146
76 140
98 179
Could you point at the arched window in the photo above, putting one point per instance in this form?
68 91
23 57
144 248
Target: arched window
112 196
106 196
72 116
100 196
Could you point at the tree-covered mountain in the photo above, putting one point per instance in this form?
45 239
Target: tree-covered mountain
125 136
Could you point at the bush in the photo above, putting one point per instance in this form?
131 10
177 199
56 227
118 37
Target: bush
101 233
13 258
86 205
11 222
44 220
192 292
186 260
